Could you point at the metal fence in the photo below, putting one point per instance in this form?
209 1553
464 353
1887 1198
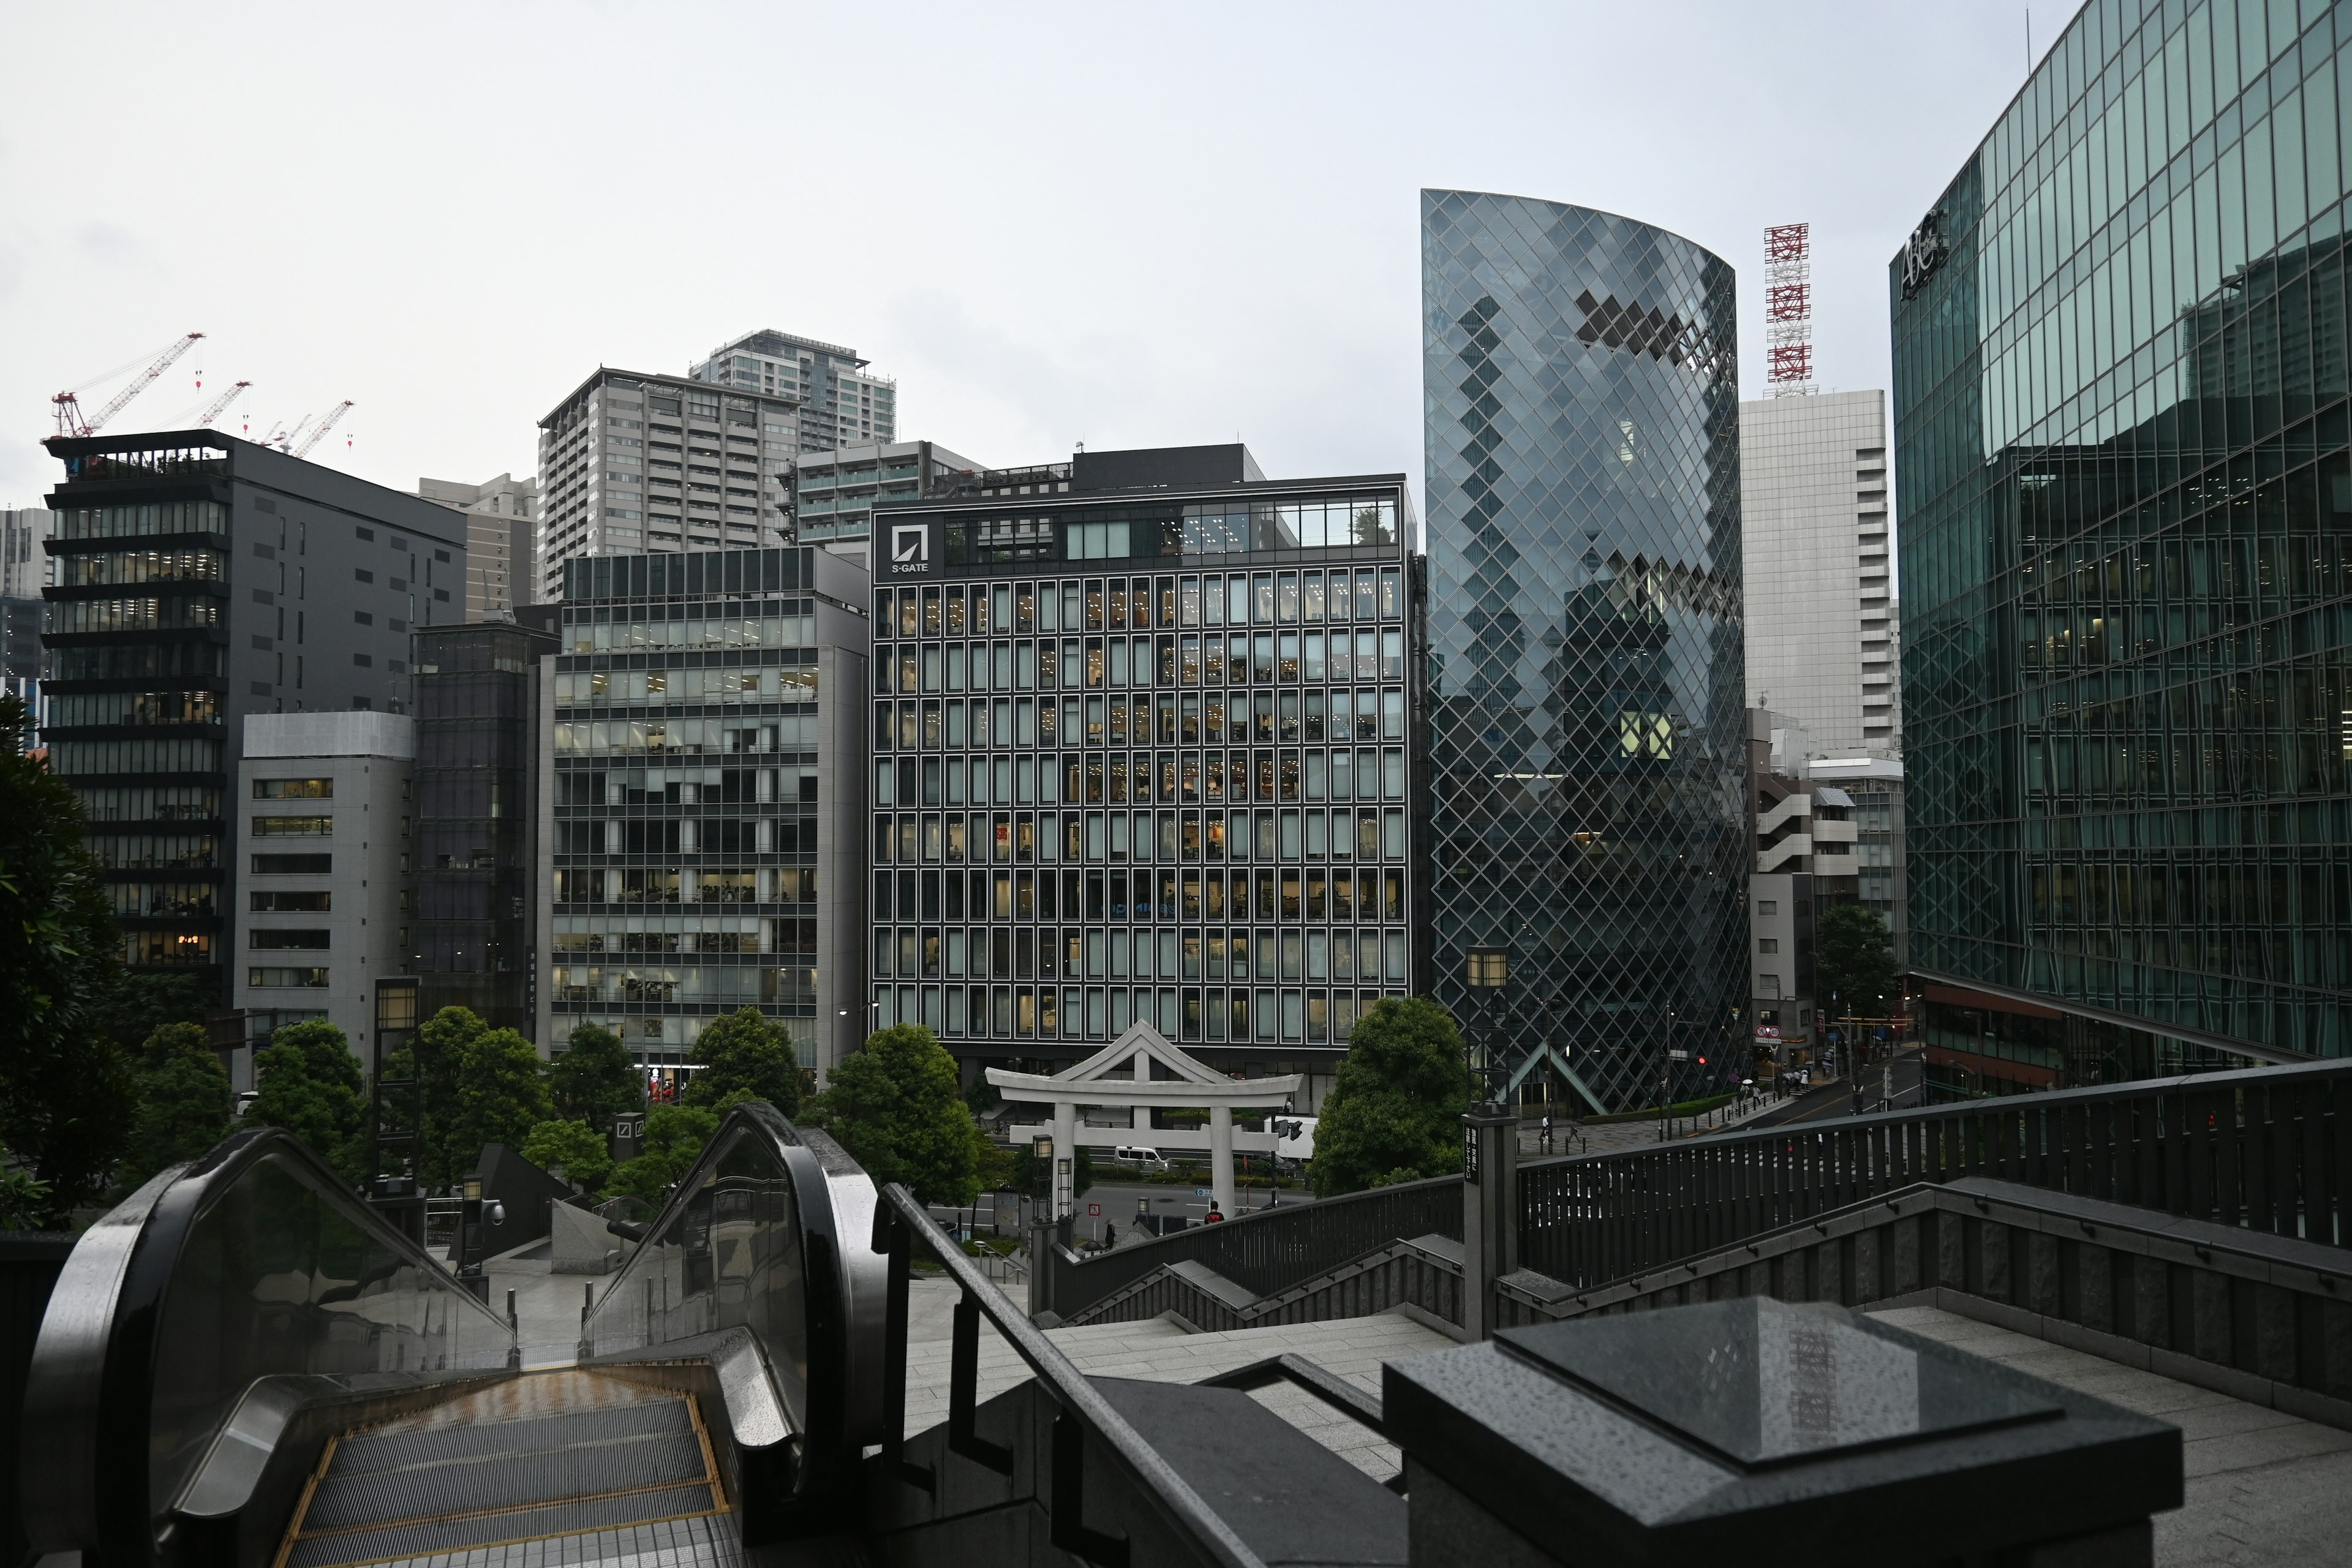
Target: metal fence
2267 1149
1266 1251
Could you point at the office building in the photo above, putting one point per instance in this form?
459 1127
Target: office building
1144 749
702 772
2126 484
1805 837
1820 593
200 579
1875 786
500 535
472 904
837 492
327 799
841 404
631 463
1587 844
21 621
24 563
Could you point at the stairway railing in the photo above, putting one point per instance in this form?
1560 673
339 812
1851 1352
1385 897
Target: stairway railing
2265 1149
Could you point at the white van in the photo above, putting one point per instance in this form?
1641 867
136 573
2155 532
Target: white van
1146 1159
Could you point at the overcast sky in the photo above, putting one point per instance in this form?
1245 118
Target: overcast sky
1121 224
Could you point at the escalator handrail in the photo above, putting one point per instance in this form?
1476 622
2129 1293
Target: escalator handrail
838 1406
89 1391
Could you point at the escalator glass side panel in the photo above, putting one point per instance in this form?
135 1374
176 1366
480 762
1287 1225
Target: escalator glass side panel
281 1273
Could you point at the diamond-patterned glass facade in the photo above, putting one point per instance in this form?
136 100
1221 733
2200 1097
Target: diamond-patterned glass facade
1581 397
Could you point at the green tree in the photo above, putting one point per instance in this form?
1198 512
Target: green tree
675 1134
1395 1113
594 1080
24 1197
583 1152
434 1061
895 1107
1854 960
745 1051
184 1103
501 1095
68 1089
139 1003
310 1083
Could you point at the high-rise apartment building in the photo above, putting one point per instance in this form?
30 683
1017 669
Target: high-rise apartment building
1875 786
1587 853
1145 749
328 803
24 563
631 463
200 579
502 528
471 918
838 491
702 774
1819 592
841 403
2124 456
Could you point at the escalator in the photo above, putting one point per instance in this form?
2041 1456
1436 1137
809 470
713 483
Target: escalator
243 1367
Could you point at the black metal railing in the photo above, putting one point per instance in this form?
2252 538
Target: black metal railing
1185 1528
2266 1149
1266 1251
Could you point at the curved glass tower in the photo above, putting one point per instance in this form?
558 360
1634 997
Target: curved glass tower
1587 819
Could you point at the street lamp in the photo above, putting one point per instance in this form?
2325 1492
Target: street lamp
1488 971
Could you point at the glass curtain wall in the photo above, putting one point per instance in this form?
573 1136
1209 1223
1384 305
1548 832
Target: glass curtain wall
2127 555
1585 668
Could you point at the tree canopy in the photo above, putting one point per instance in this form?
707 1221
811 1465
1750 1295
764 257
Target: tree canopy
746 1050
1395 1112
310 1083
594 1080
1854 960
502 1094
895 1105
184 1103
585 1152
68 1091
675 1134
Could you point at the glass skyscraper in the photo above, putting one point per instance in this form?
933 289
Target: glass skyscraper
2126 549
1587 817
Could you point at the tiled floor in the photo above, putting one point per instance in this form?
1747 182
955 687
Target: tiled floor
2261 1487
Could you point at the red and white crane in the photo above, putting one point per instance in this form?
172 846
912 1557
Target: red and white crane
320 429
70 421
223 400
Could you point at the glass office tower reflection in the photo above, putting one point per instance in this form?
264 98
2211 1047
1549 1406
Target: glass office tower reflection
2127 548
1585 676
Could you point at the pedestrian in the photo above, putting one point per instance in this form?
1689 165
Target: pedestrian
1110 1234
1215 1217
1547 1131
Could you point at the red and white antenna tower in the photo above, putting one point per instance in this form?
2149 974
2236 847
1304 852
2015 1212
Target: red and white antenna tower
1789 310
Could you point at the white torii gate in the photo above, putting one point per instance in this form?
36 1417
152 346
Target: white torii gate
1090 1083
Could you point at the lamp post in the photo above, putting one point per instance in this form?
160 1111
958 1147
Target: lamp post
1488 971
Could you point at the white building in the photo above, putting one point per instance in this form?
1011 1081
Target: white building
1875 785
24 564
842 405
502 517
325 893
1820 599
834 497
631 464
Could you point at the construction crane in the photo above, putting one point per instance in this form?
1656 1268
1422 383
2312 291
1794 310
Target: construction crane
69 417
223 400
337 412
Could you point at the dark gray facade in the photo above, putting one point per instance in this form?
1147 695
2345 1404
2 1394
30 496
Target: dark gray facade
1585 666
1145 750
201 578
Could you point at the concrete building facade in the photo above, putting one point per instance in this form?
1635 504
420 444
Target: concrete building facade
837 492
329 808
631 463
23 561
701 774
1820 589
501 540
841 403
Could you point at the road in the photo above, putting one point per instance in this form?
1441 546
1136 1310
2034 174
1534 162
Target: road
1835 1100
1116 1200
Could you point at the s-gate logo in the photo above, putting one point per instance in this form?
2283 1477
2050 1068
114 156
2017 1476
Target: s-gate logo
910 549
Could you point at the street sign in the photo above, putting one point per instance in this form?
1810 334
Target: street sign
1094 1211
1200 1191
1678 1056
